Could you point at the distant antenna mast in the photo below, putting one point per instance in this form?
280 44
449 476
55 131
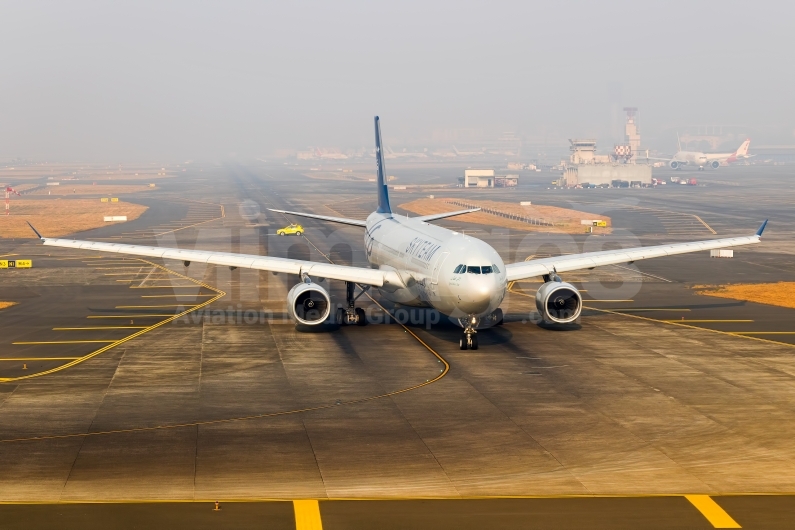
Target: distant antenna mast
9 191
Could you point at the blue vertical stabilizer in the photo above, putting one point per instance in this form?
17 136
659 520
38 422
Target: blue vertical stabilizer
383 193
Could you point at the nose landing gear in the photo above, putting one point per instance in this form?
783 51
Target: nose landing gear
469 339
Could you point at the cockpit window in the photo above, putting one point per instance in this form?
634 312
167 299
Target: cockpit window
473 269
485 270
495 269
460 269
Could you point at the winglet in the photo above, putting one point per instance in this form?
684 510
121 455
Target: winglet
37 232
761 228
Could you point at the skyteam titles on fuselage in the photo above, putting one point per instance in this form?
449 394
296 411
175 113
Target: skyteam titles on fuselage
422 249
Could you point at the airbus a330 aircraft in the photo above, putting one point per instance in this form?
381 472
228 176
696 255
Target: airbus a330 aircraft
419 264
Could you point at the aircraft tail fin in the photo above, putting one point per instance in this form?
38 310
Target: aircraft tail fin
383 193
742 151
678 143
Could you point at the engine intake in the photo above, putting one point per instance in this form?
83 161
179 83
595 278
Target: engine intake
308 303
674 164
715 164
558 302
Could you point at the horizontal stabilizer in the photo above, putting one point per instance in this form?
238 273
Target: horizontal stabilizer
435 216
342 220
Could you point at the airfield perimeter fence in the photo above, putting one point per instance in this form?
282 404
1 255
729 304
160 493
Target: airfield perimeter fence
508 215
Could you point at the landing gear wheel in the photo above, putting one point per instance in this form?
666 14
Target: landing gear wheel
462 342
498 316
361 317
341 316
473 342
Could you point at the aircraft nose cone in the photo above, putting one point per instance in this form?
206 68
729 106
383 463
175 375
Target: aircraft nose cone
477 296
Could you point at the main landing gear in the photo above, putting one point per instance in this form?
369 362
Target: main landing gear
352 315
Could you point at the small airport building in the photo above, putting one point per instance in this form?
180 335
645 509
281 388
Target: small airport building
486 178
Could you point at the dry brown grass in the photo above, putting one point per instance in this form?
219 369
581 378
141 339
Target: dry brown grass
565 220
100 190
59 217
3 305
780 294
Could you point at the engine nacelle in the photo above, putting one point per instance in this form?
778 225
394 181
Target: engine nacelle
308 303
715 164
674 164
558 302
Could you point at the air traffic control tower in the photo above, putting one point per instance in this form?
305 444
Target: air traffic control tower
617 169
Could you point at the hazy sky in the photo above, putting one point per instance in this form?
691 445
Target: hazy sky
186 79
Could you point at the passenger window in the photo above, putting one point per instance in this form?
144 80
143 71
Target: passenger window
485 270
495 269
473 270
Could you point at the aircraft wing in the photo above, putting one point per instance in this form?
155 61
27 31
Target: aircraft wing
362 275
356 222
589 260
435 216
343 220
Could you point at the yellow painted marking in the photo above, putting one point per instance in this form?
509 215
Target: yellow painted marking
443 372
38 358
634 309
126 316
307 515
710 509
125 281
136 267
143 306
763 332
138 333
172 295
101 327
163 287
705 320
3 305
608 300
64 342
700 220
116 274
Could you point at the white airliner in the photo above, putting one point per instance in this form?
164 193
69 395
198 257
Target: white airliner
418 264
702 160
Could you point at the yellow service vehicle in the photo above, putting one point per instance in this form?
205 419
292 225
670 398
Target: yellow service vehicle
291 229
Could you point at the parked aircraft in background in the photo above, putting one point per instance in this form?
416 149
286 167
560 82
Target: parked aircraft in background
415 263
702 160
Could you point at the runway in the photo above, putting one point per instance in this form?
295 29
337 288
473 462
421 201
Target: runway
652 396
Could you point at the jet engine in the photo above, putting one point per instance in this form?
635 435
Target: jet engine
308 303
674 164
715 164
558 302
